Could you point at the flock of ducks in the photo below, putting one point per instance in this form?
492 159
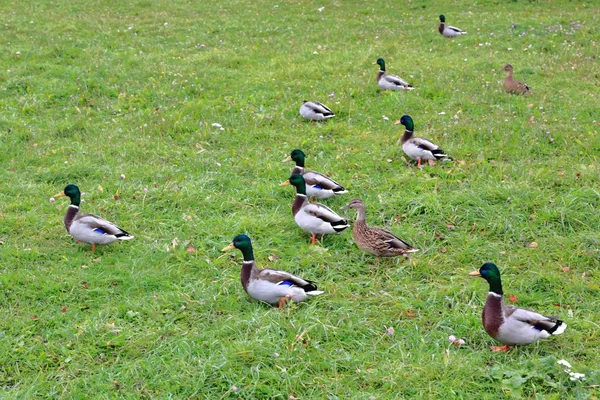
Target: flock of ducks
507 324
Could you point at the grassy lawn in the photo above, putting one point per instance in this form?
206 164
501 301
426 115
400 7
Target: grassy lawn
121 99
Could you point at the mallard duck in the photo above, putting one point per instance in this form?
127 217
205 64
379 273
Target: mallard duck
511 86
270 285
315 111
419 148
89 228
390 82
314 218
318 185
373 240
449 31
508 324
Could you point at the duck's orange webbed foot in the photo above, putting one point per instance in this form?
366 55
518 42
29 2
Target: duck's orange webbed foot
498 349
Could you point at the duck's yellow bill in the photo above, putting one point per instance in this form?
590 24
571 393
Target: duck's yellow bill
61 194
475 273
287 159
230 247
285 183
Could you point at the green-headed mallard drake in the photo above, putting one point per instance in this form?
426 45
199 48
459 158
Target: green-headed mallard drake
315 111
89 228
373 240
270 285
512 86
449 31
314 218
390 82
508 324
419 148
318 185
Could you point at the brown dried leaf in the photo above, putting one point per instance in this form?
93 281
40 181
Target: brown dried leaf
512 298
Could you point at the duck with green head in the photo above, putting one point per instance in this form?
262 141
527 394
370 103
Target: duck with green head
270 285
390 82
418 148
449 31
89 228
314 218
318 185
508 324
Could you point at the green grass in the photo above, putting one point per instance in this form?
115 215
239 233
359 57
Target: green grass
92 90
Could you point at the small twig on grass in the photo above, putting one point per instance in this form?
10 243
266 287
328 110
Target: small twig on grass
299 338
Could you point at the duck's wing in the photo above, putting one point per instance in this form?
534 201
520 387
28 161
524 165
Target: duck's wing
396 81
324 213
279 277
423 143
319 108
456 30
100 225
550 324
322 181
391 240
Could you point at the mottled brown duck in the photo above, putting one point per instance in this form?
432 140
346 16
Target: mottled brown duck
374 240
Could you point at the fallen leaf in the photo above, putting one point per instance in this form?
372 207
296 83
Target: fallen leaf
64 309
273 257
533 245
190 249
512 298
443 250
114 283
85 285
565 269
116 197
35 318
